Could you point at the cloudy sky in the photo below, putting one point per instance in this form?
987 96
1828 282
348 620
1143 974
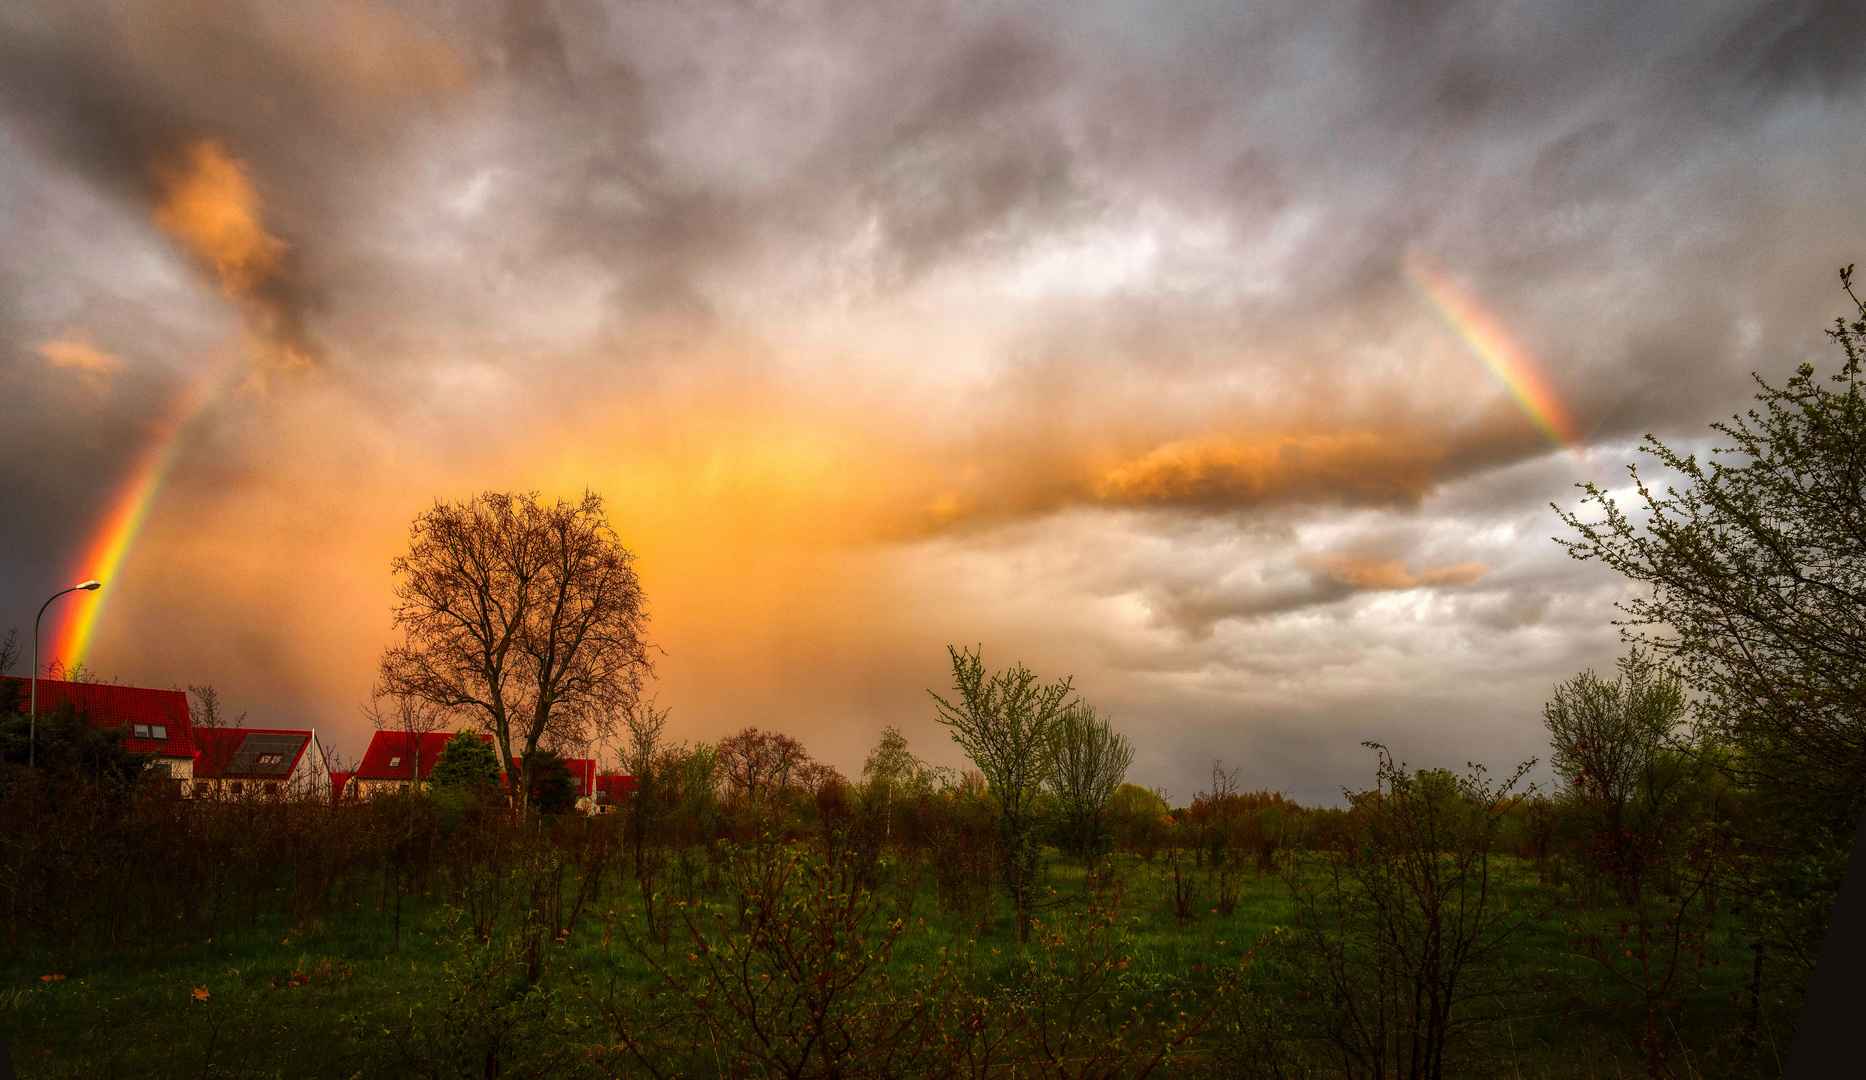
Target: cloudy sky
1100 334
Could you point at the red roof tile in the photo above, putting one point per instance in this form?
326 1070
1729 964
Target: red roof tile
399 747
613 788
403 749
339 781
230 753
119 706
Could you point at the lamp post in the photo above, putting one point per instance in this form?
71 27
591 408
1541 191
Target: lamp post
32 732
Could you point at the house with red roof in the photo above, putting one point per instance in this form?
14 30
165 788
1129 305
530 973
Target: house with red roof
154 721
340 786
264 763
613 791
403 760
582 780
399 760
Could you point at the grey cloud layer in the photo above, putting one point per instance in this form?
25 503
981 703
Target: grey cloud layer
1072 236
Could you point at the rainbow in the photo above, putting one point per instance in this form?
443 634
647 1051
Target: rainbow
114 536
208 205
1485 335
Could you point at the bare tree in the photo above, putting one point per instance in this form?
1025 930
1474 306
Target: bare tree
760 764
645 725
527 618
1008 724
204 710
9 651
646 748
584 654
337 762
1091 762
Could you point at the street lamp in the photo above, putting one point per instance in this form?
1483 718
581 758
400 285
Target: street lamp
32 733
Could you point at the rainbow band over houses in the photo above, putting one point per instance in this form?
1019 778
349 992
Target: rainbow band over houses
110 543
210 206
1484 334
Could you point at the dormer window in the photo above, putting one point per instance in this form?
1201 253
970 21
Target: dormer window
269 759
395 762
149 731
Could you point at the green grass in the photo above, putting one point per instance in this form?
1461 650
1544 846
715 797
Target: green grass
134 1012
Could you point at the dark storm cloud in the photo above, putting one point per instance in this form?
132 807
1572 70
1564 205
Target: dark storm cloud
119 93
1804 45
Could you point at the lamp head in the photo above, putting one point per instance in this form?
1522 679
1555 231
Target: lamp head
91 586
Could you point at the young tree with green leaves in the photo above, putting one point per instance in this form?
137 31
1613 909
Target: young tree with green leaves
1402 932
1091 763
1654 827
1756 563
1754 559
646 746
892 770
1610 740
1010 725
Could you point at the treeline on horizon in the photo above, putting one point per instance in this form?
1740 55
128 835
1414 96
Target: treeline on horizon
755 912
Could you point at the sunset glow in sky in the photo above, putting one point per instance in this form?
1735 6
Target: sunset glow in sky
1225 357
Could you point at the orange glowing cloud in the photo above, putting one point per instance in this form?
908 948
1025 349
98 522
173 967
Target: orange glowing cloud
209 203
91 364
1361 572
1353 466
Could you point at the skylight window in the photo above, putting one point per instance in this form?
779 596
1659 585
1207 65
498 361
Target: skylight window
395 762
149 731
270 759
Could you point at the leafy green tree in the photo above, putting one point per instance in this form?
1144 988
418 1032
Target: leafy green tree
892 771
467 764
1653 824
1756 563
1610 741
1091 763
551 791
1010 725
1138 801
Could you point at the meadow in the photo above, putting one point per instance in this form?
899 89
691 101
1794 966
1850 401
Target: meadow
428 936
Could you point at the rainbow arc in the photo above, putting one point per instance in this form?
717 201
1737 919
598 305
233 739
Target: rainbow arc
128 511
1486 336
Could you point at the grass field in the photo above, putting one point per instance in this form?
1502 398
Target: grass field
342 998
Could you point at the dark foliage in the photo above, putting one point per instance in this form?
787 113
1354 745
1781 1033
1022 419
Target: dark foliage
551 790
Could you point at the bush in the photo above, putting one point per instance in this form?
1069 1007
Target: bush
551 789
467 765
